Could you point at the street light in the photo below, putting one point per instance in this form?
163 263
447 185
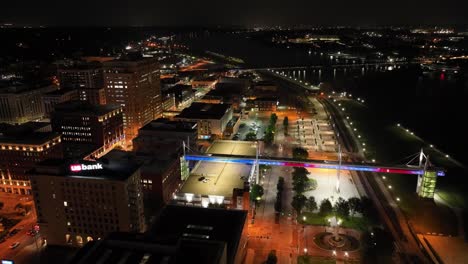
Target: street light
389 186
305 250
304 218
398 199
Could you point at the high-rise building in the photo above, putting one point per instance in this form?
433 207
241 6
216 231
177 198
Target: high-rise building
21 147
81 75
86 78
87 129
21 104
84 201
133 82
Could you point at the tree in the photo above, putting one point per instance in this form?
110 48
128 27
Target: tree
300 180
285 125
312 184
342 207
354 205
368 210
285 122
278 204
311 204
280 184
256 192
272 259
298 203
251 136
273 119
300 153
325 207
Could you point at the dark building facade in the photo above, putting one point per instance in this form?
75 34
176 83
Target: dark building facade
81 123
21 147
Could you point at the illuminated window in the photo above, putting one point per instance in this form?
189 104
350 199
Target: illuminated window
65 203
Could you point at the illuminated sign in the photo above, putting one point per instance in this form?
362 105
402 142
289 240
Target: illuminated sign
83 167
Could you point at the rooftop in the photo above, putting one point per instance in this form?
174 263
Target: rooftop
221 178
233 147
164 124
204 111
31 133
176 222
104 168
84 108
180 235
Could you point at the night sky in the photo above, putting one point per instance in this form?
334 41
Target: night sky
240 12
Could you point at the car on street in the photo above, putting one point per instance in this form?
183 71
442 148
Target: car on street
14 245
13 232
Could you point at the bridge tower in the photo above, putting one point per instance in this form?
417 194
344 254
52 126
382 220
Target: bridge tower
427 180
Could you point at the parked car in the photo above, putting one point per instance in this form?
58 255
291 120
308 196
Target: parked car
14 245
13 232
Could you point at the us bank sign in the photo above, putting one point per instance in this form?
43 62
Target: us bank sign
84 167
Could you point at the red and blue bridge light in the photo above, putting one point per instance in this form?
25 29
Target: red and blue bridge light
311 164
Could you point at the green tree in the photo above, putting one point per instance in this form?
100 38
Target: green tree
368 210
251 136
311 204
269 136
285 122
256 192
273 119
300 153
354 205
312 184
342 207
280 184
300 180
285 125
325 207
298 203
272 259
278 204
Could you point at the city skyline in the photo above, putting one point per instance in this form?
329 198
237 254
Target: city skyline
155 13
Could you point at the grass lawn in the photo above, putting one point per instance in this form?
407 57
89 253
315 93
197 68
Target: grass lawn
315 260
358 223
390 144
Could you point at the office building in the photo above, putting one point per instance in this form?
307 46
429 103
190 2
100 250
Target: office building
21 147
262 104
165 136
183 95
85 77
77 202
180 235
23 103
53 98
133 82
160 176
88 130
81 75
211 119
